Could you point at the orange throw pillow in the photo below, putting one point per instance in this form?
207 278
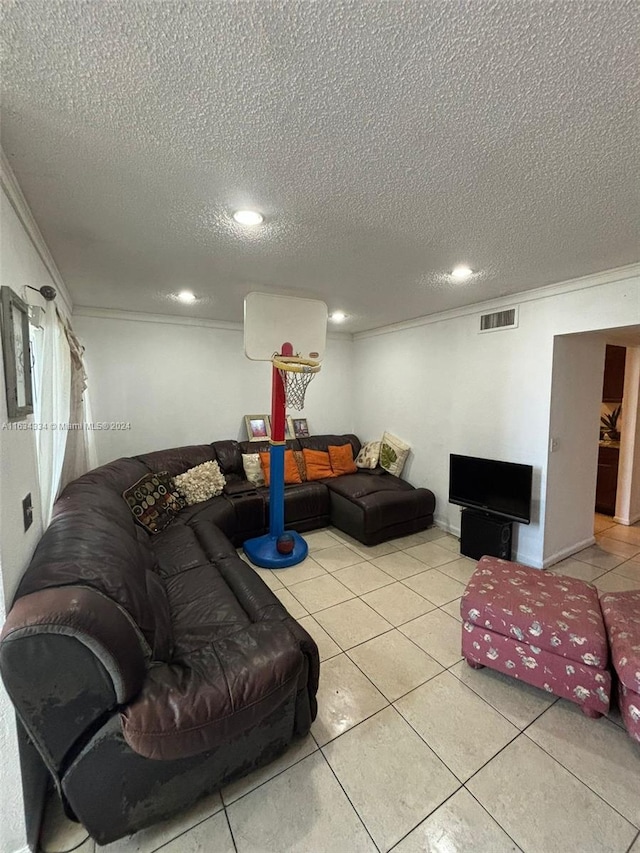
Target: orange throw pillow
291 472
342 459
318 464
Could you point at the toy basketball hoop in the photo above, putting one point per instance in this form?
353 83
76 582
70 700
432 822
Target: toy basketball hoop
290 333
296 374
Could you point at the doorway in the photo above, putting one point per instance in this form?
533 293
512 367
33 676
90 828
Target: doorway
610 423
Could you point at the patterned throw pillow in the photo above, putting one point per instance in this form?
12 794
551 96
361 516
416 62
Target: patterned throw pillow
200 483
298 455
369 455
153 501
393 453
253 469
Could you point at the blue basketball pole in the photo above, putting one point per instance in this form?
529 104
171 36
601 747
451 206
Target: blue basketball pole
263 550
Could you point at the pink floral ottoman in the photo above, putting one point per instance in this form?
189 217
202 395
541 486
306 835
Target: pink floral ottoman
544 629
622 617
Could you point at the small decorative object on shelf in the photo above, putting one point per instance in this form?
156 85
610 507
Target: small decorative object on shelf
610 423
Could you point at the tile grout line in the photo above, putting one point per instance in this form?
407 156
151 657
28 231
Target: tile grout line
426 817
637 838
226 814
493 818
357 813
582 782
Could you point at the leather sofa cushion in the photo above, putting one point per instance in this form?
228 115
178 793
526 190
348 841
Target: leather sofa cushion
229 459
263 446
215 693
92 541
389 508
234 661
307 500
216 510
354 486
179 548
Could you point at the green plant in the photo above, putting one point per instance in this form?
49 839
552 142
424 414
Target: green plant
610 421
387 456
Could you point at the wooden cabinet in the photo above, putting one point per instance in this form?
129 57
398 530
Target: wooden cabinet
613 374
607 483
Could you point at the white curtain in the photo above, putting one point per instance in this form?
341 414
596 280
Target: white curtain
52 404
80 455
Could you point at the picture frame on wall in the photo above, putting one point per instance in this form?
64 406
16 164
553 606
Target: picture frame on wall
288 429
14 329
258 427
300 427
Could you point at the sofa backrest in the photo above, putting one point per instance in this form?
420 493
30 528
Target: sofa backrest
94 541
177 460
229 458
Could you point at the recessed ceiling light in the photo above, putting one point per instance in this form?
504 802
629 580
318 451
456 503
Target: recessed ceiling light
187 296
461 273
338 317
248 217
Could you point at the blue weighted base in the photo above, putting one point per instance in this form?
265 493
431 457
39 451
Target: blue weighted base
263 552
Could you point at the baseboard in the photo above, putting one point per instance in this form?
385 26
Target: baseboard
627 521
443 524
567 552
526 560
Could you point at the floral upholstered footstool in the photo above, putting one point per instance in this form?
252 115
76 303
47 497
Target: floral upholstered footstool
622 617
541 628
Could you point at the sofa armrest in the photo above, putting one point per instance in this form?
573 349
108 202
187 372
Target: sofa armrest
68 656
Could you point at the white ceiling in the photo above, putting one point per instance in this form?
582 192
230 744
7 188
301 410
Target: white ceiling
385 143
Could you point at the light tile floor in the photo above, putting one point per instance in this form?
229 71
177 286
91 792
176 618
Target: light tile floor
412 749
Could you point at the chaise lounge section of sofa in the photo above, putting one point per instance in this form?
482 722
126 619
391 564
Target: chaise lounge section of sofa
151 670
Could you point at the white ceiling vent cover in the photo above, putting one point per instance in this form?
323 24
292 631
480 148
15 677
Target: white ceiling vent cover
498 320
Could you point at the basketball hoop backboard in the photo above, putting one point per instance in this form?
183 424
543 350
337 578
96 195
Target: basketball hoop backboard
270 321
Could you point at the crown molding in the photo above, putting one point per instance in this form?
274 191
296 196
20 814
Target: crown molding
545 292
173 320
143 317
18 202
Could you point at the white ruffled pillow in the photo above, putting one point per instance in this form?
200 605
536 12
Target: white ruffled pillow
253 469
200 483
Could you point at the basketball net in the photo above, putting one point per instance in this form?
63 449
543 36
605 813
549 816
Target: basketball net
296 374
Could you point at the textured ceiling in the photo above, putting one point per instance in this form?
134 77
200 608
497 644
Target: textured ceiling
384 142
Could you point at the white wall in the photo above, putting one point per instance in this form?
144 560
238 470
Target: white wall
188 384
20 264
447 389
572 468
628 496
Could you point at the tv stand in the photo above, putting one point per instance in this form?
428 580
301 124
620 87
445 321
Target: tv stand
482 533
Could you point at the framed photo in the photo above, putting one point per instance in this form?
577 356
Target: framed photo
300 427
16 354
288 429
258 427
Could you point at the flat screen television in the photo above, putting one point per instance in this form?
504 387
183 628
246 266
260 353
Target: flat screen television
500 488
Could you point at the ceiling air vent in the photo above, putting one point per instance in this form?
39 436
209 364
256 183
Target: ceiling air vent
507 319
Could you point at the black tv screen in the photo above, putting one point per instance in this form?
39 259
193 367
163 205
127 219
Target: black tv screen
501 488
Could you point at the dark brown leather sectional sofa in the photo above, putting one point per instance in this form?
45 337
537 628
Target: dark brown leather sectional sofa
149 671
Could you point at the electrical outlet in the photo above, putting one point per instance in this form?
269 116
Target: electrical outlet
27 512
553 445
